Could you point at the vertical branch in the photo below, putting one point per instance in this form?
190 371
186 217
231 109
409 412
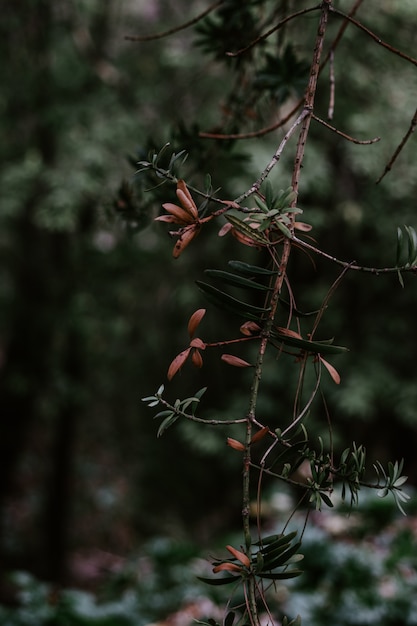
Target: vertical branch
310 95
332 86
305 118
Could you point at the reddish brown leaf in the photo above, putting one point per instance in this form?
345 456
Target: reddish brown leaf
225 229
198 343
332 370
186 199
260 434
302 226
231 359
235 444
177 363
288 333
197 359
194 321
183 216
227 567
250 328
170 219
240 556
185 238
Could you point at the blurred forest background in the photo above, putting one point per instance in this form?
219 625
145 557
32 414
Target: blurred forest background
92 307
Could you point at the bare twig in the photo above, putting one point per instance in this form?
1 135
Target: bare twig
375 37
310 96
332 86
272 30
404 140
256 133
176 29
254 188
352 265
362 142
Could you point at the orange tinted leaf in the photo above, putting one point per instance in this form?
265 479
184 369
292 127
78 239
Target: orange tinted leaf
235 444
186 200
184 239
168 218
260 434
225 229
249 328
240 556
302 226
231 359
177 363
197 359
227 567
183 216
332 370
194 321
243 239
198 343
288 333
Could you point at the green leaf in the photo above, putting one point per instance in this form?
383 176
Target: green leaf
226 580
285 231
269 194
281 559
315 347
233 279
227 302
281 575
412 245
166 424
261 204
326 499
273 541
245 229
162 414
400 240
249 270
230 618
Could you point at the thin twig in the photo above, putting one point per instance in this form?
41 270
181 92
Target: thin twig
375 37
272 30
339 35
362 142
254 188
310 96
352 264
176 29
404 140
332 86
255 133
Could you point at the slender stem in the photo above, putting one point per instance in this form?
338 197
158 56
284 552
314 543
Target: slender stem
176 29
353 265
304 119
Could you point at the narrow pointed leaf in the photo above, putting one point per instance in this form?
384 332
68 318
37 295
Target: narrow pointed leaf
234 279
275 540
332 371
195 320
240 556
281 575
166 424
247 230
177 363
227 302
315 347
227 580
249 270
